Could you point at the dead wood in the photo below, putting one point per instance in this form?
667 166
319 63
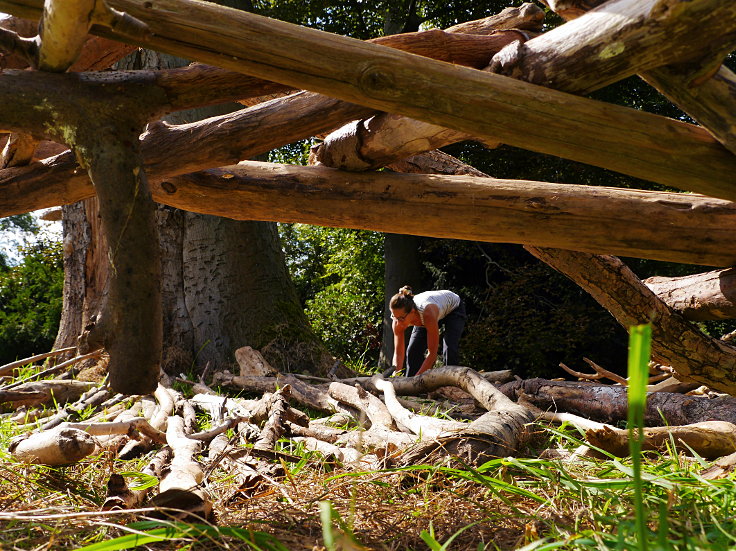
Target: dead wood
9 368
49 188
672 384
55 369
18 150
616 220
180 493
427 428
709 439
675 342
44 392
499 432
698 297
252 362
217 83
157 412
301 392
130 427
599 373
275 425
702 88
90 399
372 143
358 439
356 396
608 403
59 446
120 496
721 468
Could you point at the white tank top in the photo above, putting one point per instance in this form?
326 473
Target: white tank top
446 302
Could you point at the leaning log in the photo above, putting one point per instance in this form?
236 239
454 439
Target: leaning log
385 79
675 342
608 403
664 226
703 88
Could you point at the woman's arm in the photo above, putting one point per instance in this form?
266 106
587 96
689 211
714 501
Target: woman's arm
431 324
398 361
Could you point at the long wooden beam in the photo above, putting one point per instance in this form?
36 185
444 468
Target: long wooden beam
488 105
710 99
664 226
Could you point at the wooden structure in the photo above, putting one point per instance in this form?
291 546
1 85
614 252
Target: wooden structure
516 88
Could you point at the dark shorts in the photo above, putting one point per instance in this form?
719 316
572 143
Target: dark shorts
453 324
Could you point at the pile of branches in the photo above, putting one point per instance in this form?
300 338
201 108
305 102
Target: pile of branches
367 423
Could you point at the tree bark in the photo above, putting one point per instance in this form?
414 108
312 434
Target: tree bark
517 113
708 97
709 439
628 222
675 342
609 403
698 297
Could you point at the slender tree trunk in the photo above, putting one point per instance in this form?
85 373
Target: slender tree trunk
402 267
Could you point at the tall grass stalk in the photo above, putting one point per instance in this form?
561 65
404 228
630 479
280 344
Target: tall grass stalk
640 341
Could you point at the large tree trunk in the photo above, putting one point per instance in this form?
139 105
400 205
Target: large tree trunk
224 282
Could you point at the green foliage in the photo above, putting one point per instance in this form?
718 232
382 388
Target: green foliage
30 301
338 274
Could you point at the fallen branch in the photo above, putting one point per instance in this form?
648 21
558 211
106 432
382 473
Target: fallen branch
59 446
709 439
180 493
8 368
608 403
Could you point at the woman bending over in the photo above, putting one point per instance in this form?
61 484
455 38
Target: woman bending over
426 312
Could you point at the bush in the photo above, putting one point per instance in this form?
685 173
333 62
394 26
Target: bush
31 301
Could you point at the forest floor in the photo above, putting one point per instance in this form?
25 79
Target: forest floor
546 497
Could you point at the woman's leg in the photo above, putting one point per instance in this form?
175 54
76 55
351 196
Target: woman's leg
454 324
415 350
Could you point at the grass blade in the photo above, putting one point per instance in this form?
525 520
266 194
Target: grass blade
640 342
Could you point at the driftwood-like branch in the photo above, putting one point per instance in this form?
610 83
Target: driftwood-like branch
499 432
709 439
600 373
8 368
356 396
428 428
129 427
675 342
301 392
180 494
59 446
57 368
44 392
